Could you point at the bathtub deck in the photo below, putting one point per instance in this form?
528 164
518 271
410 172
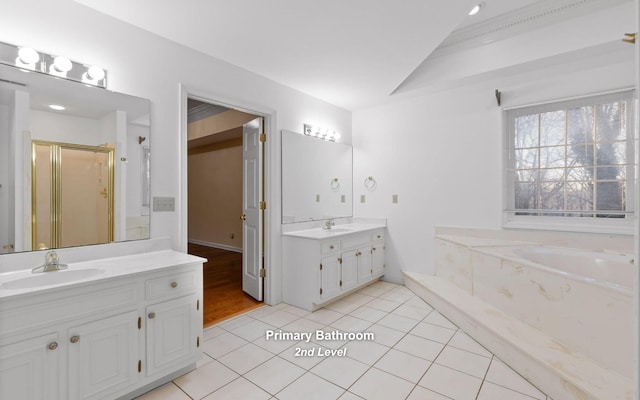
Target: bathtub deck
542 360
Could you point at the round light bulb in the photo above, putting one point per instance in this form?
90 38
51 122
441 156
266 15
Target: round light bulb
95 73
62 64
28 55
476 9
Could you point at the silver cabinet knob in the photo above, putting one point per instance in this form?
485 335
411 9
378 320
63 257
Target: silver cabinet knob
52 345
74 339
152 315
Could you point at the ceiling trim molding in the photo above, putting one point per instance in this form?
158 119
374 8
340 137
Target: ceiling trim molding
524 19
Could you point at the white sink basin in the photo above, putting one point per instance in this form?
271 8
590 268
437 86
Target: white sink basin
52 278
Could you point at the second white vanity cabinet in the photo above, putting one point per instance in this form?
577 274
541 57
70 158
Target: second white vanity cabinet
114 337
321 266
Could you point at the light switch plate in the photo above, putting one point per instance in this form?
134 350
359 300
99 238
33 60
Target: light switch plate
164 203
394 198
362 198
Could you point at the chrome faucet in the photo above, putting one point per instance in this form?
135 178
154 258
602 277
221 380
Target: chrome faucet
51 263
328 224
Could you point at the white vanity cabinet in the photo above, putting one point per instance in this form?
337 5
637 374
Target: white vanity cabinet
112 338
319 268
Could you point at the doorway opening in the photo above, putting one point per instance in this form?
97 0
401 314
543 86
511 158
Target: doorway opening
225 218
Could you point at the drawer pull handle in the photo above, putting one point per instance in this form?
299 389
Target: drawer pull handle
74 339
373 248
152 315
331 247
174 284
52 345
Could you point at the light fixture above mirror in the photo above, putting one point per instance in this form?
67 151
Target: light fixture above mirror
321 133
56 65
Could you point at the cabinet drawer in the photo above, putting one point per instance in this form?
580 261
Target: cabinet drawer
330 247
170 286
355 241
377 236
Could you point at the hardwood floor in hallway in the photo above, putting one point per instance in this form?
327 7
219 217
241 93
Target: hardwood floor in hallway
222 284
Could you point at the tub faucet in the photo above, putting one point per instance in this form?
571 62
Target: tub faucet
328 224
51 263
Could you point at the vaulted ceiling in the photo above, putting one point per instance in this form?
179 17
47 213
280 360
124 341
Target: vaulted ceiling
352 53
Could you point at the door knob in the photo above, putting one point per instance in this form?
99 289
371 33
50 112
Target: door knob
75 339
53 345
152 315
243 217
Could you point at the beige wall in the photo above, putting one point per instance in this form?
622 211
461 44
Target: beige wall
215 193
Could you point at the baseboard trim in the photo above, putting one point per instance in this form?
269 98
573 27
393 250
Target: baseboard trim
216 245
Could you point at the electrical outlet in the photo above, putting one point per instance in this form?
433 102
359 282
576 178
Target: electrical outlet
343 199
394 198
317 198
164 204
362 198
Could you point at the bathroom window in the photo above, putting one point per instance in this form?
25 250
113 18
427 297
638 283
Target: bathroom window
570 165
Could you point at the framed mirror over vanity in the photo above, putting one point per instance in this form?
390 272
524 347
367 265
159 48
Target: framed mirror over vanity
316 179
74 163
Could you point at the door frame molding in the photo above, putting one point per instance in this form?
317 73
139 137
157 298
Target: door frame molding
271 183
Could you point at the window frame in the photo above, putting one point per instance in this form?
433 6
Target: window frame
564 223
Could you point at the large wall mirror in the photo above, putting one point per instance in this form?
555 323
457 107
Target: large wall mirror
74 163
316 179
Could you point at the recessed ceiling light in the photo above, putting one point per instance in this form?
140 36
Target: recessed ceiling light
56 107
476 9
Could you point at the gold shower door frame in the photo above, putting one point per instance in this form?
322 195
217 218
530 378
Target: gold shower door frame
55 192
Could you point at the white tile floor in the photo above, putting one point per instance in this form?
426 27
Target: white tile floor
417 354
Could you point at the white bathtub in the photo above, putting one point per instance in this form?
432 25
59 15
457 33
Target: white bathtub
610 269
583 299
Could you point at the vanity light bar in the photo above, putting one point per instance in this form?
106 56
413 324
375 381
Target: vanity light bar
321 133
28 59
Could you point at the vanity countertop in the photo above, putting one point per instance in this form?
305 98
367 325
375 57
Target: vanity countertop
24 282
335 231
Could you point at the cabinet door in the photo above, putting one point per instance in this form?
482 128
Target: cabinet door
349 269
103 356
377 259
172 334
329 277
29 369
364 264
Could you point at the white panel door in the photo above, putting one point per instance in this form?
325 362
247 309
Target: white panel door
171 334
349 270
29 369
252 214
329 278
364 264
103 356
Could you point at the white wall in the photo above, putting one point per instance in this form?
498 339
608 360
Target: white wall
145 65
441 152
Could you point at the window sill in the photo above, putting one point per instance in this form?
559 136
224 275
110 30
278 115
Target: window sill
567 224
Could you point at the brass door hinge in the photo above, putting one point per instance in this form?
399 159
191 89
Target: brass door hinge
340 260
263 205
320 290
263 137
198 305
630 38
198 341
139 323
340 283
139 365
263 272
320 267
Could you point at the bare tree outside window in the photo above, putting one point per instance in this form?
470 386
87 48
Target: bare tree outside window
571 162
